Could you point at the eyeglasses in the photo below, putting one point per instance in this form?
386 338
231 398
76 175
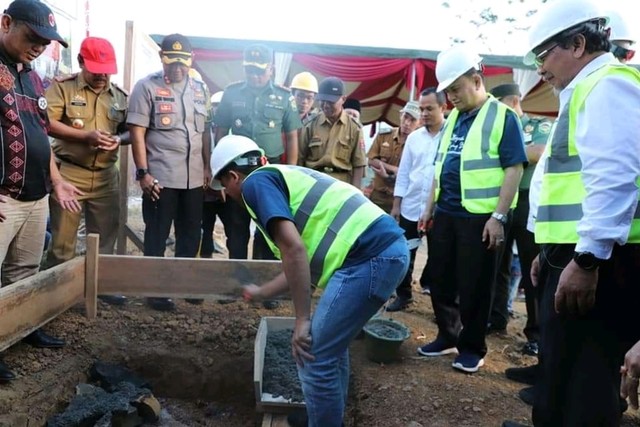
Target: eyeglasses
539 59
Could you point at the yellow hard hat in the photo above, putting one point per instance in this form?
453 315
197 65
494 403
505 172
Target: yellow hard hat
305 81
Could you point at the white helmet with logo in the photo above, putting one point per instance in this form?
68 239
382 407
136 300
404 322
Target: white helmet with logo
453 63
232 148
620 28
558 16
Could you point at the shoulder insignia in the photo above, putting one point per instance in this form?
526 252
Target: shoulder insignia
121 89
65 77
284 88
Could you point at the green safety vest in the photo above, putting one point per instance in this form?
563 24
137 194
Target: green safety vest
481 174
330 216
562 190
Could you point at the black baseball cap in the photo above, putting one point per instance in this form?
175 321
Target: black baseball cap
506 89
330 89
257 55
176 48
37 16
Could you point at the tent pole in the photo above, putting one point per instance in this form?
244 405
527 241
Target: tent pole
413 81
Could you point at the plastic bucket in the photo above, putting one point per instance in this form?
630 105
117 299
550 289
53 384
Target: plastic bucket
383 338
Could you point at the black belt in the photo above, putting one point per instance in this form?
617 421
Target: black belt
331 169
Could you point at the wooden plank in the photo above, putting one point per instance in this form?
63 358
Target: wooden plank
279 421
180 277
32 302
258 362
266 420
91 276
134 237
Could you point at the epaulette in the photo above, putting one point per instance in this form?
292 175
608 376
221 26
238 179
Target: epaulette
64 78
284 88
356 122
238 83
121 89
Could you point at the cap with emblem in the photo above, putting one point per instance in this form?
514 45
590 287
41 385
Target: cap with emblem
331 89
412 108
38 17
98 56
506 89
257 55
176 48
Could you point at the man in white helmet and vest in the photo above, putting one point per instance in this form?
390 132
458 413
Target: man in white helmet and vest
478 168
587 221
328 235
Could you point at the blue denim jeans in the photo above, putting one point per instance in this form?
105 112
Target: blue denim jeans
350 299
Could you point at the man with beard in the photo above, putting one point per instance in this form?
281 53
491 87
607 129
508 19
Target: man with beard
333 141
88 119
170 119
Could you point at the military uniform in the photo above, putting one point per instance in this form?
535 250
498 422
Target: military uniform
72 102
261 116
387 148
333 148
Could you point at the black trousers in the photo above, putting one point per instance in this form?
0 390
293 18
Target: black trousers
581 355
211 210
527 251
462 273
410 232
183 209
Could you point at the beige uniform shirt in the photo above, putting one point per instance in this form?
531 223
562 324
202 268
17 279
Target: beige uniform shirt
332 147
386 147
71 100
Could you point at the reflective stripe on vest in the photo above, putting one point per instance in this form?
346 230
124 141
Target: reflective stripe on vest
563 191
330 216
481 173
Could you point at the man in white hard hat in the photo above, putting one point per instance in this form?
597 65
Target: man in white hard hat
478 168
330 236
587 221
621 37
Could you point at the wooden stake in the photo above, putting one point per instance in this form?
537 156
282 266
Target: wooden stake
91 276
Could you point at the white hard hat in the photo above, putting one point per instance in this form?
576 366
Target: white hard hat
620 28
217 97
229 149
558 16
453 63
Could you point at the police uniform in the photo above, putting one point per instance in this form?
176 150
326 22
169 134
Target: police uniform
387 148
72 102
262 116
333 148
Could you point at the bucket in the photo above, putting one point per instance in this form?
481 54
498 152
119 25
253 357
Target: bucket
383 338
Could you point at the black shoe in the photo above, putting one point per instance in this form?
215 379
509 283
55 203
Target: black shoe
161 304
527 395
195 301
400 303
495 329
5 374
270 304
530 348
526 375
513 424
40 339
117 300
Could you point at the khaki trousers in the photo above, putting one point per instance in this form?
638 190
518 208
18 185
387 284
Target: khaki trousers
22 238
101 208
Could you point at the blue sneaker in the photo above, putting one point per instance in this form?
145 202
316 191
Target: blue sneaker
437 348
468 362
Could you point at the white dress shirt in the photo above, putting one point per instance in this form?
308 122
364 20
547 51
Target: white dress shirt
415 172
608 144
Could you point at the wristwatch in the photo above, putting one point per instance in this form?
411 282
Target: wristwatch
502 218
586 260
140 173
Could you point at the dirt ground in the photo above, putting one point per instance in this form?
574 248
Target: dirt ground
199 360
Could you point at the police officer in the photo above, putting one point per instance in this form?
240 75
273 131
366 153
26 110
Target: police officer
304 87
169 119
88 121
385 153
333 141
265 112
536 131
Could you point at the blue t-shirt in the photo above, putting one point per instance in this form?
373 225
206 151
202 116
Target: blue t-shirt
511 151
266 193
